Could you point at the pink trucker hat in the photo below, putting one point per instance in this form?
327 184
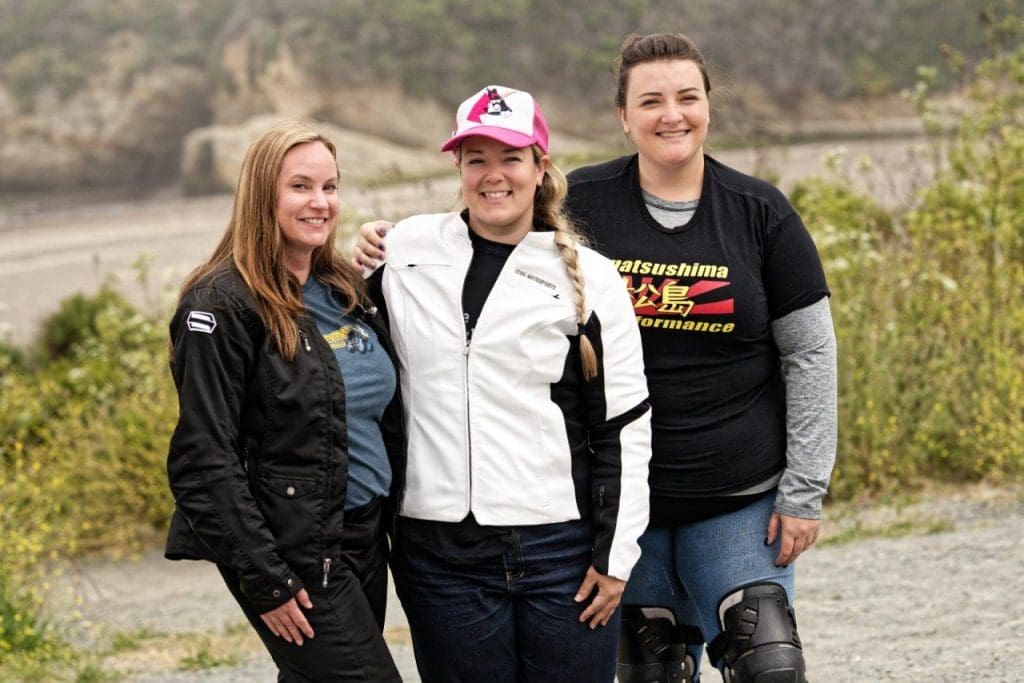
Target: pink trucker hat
511 116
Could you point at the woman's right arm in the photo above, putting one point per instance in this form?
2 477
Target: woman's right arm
619 432
368 252
214 352
618 417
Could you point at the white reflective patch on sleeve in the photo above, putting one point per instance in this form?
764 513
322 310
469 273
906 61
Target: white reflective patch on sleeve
201 321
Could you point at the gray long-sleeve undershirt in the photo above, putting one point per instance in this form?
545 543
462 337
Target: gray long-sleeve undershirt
807 346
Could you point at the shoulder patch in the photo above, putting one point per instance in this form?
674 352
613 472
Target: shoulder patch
201 321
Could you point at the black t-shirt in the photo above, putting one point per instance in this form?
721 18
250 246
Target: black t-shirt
704 295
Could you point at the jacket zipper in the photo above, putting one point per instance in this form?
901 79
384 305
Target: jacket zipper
327 569
469 437
330 468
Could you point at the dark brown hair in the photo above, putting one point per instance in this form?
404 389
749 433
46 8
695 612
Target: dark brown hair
639 48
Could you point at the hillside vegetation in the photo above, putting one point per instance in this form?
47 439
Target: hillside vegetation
440 49
104 92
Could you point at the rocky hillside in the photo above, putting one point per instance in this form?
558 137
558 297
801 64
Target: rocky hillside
123 93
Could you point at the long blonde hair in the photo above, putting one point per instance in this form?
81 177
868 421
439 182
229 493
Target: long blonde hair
253 244
549 209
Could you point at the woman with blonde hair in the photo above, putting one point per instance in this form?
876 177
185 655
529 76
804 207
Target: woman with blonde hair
289 439
527 418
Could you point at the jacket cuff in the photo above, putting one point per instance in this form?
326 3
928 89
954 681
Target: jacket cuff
270 596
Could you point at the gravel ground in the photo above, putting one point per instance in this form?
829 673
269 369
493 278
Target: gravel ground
925 591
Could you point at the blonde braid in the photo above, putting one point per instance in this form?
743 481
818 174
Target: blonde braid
549 208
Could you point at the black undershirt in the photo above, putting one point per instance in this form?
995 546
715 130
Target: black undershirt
488 260
467 542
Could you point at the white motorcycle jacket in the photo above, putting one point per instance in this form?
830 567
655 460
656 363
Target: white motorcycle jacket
505 426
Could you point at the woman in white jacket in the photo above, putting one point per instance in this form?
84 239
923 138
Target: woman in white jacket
527 417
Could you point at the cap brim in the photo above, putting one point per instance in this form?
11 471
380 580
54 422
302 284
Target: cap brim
509 137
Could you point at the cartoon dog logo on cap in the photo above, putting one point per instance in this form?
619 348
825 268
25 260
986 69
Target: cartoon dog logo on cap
491 104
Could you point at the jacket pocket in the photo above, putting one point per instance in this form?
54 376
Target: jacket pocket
291 487
291 508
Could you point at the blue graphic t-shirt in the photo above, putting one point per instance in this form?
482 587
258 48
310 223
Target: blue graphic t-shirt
369 378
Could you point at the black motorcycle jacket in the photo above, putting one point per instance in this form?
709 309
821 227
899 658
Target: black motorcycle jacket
258 461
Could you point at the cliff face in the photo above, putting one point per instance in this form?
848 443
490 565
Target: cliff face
115 92
123 127
379 133
134 123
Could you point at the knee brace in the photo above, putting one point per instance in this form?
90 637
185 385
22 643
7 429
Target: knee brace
759 642
652 647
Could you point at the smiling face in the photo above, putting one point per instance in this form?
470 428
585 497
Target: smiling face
666 112
307 201
498 185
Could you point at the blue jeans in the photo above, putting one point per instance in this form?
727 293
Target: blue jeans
510 618
691 567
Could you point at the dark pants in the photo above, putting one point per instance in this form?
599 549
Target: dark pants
508 619
347 617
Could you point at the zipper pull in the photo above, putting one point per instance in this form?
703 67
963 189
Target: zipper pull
305 341
327 569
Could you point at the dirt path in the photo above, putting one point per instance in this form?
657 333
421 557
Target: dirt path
923 592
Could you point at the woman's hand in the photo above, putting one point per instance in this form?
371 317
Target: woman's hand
798 534
602 606
369 248
287 621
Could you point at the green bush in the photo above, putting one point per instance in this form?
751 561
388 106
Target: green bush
927 303
82 450
77 320
11 356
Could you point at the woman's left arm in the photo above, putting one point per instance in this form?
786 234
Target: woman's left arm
807 348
